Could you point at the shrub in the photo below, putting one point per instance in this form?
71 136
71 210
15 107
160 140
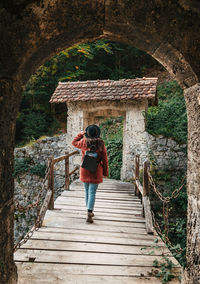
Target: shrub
21 166
169 118
38 169
111 132
30 125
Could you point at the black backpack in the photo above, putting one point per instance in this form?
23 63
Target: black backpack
90 160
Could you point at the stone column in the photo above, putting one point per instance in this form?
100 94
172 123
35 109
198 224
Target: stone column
75 124
134 138
192 271
10 92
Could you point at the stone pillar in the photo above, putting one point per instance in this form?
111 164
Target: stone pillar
75 124
10 92
134 138
192 271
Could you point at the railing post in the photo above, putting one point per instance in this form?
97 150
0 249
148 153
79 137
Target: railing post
137 166
137 171
145 183
67 171
51 183
145 179
145 198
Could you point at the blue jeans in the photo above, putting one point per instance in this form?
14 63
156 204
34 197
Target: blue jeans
90 194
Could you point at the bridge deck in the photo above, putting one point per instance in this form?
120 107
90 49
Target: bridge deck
68 250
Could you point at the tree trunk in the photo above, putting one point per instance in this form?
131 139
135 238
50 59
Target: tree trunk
9 103
192 271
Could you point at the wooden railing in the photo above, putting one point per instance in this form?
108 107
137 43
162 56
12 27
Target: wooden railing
143 190
48 202
49 199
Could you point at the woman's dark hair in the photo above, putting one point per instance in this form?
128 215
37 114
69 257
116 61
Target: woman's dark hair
95 143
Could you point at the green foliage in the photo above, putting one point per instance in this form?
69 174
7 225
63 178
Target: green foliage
169 118
21 166
39 170
101 59
25 165
167 181
111 132
31 125
165 271
114 149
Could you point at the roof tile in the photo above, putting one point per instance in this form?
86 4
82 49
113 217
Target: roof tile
125 89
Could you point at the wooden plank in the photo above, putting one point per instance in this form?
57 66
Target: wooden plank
106 191
97 209
103 199
98 227
99 201
86 258
91 232
105 188
30 269
62 221
99 216
99 194
148 216
91 247
90 238
102 215
59 278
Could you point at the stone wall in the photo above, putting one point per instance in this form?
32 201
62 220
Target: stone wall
28 185
167 153
161 151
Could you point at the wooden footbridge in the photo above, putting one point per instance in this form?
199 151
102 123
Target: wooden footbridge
116 248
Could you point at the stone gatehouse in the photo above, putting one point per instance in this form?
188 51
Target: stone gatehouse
89 102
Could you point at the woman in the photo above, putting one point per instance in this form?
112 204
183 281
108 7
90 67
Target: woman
86 141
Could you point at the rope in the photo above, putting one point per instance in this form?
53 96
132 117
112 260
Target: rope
21 208
29 207
165 201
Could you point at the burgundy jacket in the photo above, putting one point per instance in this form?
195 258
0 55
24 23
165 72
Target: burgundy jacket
102 169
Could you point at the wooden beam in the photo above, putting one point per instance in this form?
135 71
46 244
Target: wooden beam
145 179
139 186
51 184
148 215
61 158
45 205
67 171
71 173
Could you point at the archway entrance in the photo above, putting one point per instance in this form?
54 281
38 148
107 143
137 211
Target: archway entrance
86 101
33 31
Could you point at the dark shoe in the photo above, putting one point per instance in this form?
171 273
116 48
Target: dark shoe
89 217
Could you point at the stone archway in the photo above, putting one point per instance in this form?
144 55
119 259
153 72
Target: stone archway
32 31
88 100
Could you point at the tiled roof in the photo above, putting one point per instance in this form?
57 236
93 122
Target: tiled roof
126 89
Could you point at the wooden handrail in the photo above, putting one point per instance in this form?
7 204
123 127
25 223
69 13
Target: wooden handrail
144 191
52 161
61 158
